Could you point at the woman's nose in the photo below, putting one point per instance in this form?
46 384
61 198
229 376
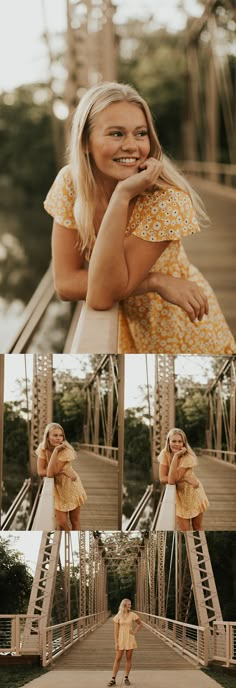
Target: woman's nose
129 143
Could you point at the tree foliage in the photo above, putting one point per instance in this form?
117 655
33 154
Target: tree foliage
15 580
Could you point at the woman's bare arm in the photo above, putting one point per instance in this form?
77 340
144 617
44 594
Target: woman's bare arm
116 634
70 277
41 466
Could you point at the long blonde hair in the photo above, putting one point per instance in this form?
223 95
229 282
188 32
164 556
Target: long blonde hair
95 100
122 611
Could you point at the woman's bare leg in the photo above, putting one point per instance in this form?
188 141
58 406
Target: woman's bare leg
75 518
183 523
116 664
128 661
197 522
62 520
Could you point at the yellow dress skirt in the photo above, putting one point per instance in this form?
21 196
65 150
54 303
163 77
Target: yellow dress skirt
148 324
68 493
126 641
190 501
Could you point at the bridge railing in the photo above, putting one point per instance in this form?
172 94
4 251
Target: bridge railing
189 639
44 518
221 172
23 493
166 518
224 643
59 638
90 331
13 634
223 454
101 450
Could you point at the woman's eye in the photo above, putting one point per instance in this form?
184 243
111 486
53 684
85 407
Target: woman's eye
116 133
142 133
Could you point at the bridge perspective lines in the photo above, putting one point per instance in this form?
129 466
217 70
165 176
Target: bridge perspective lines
219 481
213 250
96 651
99 476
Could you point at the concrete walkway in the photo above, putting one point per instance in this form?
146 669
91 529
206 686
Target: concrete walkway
190 678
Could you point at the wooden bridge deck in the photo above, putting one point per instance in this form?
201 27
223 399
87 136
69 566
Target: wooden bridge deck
96 652
100 480
219 481
213 251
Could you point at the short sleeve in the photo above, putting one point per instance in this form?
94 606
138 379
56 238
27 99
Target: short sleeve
40 452
66 455
134 616
60 199
162 458
116 618
165 214
188 461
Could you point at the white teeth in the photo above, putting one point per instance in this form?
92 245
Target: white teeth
126 159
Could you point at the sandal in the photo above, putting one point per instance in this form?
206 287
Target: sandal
112 682
127 681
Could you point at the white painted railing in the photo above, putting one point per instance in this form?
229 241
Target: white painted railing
45 515
101 450
57 639
224 642
20 633
96 331
223 454
189 639
166 518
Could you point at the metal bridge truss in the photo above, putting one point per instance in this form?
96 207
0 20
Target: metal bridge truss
222 412
163 420
100 428
210 92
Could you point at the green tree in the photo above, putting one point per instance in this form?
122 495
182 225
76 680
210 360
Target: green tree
15 580
16 452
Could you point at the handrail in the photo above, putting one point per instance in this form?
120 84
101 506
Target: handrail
90 331
57 639
190 639
133 521
224 454
20 633
13 510
166 518
44 518
96 331
103 450
224 644
205 167
33 313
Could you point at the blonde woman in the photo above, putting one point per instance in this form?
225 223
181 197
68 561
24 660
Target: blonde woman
124 639
177 461
122 205
55 456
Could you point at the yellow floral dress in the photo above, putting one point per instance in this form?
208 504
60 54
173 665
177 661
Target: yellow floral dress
126 641
68 493
147 323
190 501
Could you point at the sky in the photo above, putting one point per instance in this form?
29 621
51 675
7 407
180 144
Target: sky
23 52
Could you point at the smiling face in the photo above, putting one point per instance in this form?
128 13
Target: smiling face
119 142
176 443
56 437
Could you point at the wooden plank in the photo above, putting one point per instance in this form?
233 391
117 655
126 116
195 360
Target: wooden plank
96 651
100 479
213 251
219 481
